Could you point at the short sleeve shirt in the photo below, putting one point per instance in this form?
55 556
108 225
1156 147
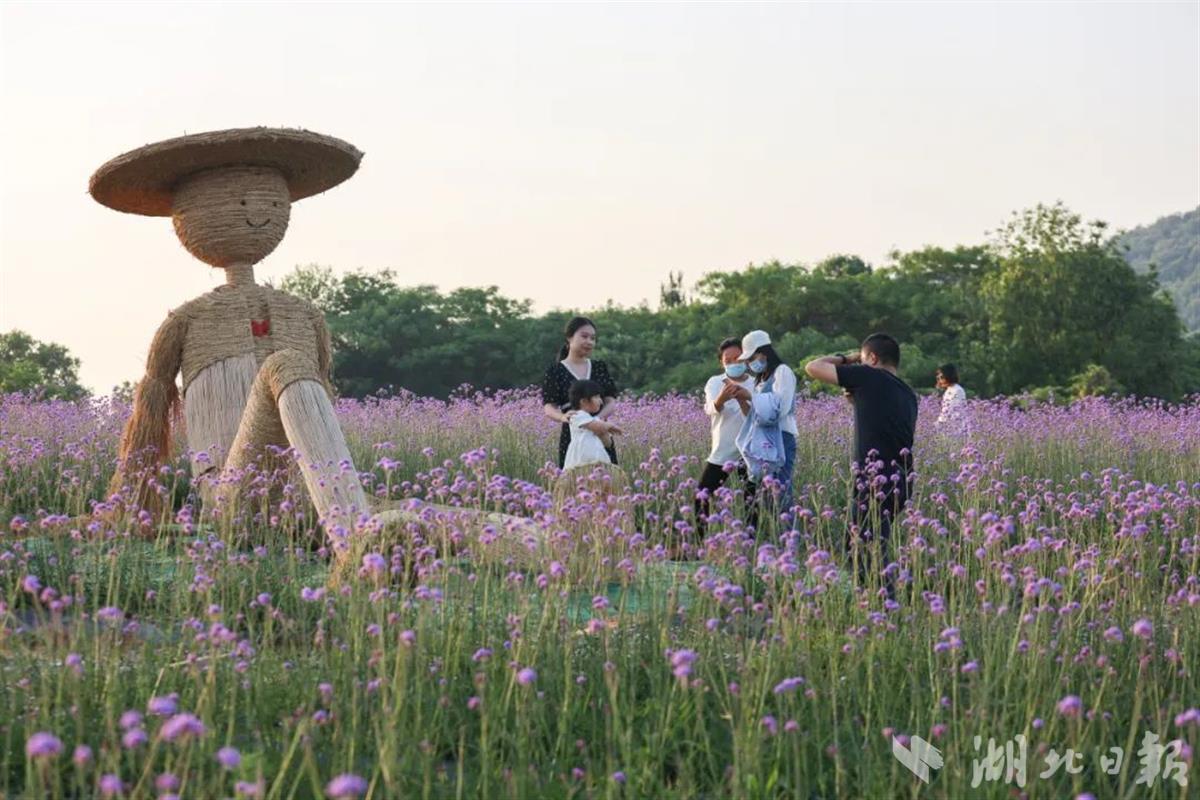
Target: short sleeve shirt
885 415
556 387
556 383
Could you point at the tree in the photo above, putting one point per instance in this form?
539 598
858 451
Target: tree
779 297
27 365
1062 296
124 391
931 299
1049 296
388 336
672 294
842 266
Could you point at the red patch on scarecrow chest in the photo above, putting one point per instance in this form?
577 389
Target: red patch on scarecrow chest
260 328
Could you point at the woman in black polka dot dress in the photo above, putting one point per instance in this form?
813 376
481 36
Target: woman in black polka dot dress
575 364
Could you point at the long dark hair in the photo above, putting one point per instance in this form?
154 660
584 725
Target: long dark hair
773 361
572 328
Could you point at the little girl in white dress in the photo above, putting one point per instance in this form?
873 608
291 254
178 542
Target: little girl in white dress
590 435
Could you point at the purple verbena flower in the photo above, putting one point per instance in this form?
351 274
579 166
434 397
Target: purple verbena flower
166 782
163 706
229 757
1070 706
181 726
134 738
346 787
111 785
788 685
681 662
43 745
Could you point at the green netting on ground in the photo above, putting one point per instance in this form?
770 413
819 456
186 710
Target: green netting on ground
646 594
157 566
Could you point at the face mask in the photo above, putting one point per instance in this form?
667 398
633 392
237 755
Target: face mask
735 370
758 367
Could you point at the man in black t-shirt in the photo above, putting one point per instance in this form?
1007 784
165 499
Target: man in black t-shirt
885 418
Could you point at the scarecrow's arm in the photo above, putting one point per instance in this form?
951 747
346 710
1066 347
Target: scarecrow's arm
324 352
146 441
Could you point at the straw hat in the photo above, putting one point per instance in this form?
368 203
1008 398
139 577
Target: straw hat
142 181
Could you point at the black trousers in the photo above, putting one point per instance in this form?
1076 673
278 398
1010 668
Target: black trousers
871 521
712 478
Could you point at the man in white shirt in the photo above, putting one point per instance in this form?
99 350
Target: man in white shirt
954 397
726 412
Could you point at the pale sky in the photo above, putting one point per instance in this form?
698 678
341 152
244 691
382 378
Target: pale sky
574 153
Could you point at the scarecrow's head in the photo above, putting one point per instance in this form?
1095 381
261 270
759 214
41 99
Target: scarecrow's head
232 215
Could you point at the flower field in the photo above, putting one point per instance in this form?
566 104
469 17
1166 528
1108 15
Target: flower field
1047 597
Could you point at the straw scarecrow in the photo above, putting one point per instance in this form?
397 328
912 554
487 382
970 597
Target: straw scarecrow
254 361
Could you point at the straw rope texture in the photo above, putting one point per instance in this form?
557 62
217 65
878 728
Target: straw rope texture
234 215
213 329
260 359
288 406
143 181
228 217
212 410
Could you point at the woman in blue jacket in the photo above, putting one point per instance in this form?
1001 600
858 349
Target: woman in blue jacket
767 439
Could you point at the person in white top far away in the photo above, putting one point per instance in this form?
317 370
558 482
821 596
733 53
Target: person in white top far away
726 413
954 397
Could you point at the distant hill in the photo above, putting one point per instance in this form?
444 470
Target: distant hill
1173 244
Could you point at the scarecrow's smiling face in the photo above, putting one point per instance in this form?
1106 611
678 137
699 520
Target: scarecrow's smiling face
232 215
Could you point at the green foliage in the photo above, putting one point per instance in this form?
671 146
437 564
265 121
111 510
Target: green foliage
1047 395
1171 247
1094 381
1049 296
388 336
27 365
1189 365
124 391
1062 296
672 293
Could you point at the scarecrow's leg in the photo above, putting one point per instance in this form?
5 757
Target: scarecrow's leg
289 403
212 410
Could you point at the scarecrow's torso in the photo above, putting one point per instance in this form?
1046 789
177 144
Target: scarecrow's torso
227 335
245 320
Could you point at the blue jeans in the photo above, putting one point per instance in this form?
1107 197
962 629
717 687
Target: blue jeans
784 473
